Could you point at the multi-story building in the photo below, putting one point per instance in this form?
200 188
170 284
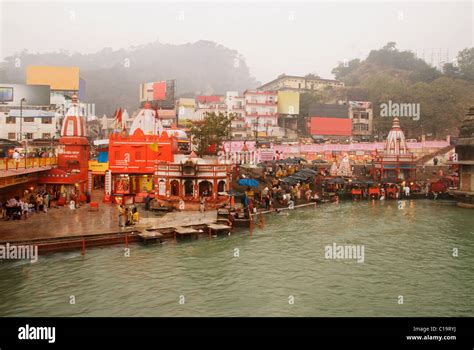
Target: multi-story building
261 112
209 104
361 114
26 113
301 84
236 107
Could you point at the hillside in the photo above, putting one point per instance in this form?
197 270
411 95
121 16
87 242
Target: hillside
113 76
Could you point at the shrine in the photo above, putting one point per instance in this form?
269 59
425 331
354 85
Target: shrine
395 163
71 176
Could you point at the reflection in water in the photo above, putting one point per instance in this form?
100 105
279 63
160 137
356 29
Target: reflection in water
408 252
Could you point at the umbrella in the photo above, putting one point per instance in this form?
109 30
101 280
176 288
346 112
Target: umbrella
309 171
337 180
248 182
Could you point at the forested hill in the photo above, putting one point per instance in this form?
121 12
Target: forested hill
389 74
113 76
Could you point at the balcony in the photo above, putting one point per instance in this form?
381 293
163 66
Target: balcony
261 103
261 115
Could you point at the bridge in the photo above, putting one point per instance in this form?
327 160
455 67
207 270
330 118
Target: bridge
13 172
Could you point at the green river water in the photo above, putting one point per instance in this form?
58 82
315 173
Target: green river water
280 271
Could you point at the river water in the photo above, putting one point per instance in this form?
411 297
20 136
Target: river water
281 270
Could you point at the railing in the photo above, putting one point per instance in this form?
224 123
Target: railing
26 163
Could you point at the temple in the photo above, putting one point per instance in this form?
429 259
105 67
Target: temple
151 161
395 163
465 161
71 176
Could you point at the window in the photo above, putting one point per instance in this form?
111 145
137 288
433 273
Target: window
47 120
29 135
29 119
11 136
46 135
364 115
6 94
10 120
364 127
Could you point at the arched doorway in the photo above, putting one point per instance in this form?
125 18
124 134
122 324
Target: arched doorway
205 188
188 188
221 186
174 185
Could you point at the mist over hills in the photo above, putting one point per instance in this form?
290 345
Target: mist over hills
113 76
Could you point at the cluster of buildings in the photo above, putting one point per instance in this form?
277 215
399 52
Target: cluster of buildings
272 111
35 110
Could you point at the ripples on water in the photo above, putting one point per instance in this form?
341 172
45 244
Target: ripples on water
407 252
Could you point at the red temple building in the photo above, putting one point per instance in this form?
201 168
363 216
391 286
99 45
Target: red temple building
71 175
149 161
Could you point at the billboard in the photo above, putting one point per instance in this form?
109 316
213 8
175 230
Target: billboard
330 126
288 102
34 95
160 93
57 77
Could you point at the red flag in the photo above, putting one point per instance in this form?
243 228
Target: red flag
119 116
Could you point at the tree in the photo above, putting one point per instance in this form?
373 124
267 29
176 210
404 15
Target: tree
208 134
466 63
345 68
391 45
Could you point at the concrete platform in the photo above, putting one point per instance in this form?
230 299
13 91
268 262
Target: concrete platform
64 222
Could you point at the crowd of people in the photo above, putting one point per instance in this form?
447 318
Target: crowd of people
17 208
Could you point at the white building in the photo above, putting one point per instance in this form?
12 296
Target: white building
261 112
29 124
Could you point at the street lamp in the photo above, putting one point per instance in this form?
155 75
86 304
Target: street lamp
256 131
21 118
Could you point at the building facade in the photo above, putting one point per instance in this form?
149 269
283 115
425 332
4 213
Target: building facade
261 112
361 113
301 84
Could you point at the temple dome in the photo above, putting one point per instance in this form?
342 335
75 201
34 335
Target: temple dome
74 124
396 143
147 121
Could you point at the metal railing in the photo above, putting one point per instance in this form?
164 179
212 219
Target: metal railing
27 163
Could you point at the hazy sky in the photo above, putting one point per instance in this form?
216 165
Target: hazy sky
274 37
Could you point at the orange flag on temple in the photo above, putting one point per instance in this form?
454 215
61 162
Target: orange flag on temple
154 147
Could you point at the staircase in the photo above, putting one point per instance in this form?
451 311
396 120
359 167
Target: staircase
425 158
